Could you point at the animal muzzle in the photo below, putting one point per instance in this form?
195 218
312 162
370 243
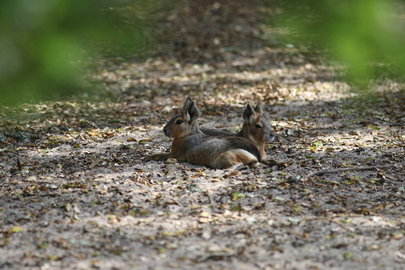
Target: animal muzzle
270 137
166 131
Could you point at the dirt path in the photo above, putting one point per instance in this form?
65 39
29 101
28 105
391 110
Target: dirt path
76 191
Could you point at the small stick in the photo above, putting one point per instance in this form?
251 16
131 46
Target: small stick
208 194
209 198
361 168
176 201
19 164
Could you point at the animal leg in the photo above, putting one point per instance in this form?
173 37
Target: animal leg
235 157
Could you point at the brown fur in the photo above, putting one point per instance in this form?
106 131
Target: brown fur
195 147
255 127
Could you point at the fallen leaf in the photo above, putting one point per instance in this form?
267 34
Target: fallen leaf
68 207
16 229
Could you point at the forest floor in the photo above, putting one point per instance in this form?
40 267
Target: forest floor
76 191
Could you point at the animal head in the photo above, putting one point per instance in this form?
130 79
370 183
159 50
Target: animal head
256 127
184 123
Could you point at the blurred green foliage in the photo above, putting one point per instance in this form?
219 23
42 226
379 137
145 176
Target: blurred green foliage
43 43
368 36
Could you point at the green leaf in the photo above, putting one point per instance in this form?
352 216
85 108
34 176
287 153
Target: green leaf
236 196
16 229
318 144
42 245
236 207
347 255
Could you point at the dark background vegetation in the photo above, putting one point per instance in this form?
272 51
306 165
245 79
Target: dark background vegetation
367 36
47 46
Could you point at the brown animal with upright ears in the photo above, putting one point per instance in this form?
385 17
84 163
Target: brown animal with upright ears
193 146
255 127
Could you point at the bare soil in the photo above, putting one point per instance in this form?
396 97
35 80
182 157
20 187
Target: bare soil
76 191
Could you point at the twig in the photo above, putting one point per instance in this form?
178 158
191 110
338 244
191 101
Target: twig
19 164
209 198
360 168
178 203
215 256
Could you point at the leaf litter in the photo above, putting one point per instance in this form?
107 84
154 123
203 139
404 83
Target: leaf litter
77 192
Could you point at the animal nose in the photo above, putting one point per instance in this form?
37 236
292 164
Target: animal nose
166 131
271 136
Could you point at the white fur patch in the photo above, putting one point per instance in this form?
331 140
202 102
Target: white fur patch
232 157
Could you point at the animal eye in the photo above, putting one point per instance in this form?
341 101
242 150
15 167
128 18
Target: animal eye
258 126
179 121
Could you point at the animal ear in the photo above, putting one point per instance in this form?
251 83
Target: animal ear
259 108
192 112
187 103
249 112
